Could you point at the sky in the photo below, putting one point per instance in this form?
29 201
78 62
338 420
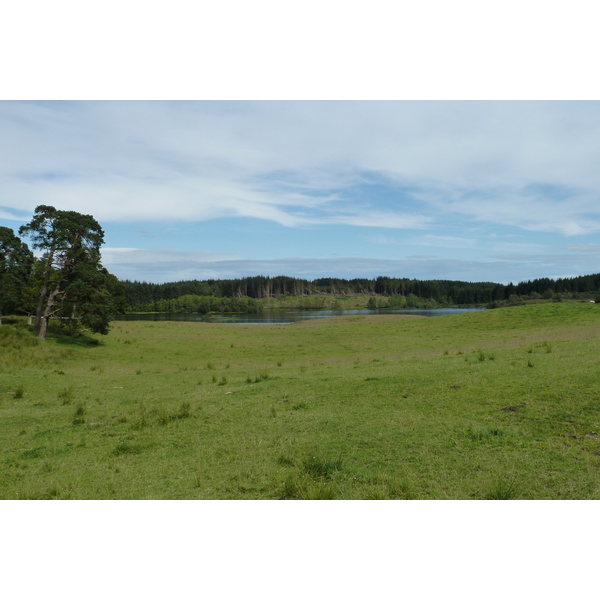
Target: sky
469 190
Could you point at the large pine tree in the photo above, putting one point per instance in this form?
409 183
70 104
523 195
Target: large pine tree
74 284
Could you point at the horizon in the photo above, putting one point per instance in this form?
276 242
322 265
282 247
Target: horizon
513 282
456 190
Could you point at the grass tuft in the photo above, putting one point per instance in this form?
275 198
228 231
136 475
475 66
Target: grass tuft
320 467
300 406
262 376
124 448
502 490
485 434
66 395
184 410
285 461
79 416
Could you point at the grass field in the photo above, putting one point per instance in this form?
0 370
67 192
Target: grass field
500 404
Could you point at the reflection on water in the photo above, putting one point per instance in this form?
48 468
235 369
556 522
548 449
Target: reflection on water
286 316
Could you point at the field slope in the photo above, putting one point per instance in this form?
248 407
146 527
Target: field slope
497 404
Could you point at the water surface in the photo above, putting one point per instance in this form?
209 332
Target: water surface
287 316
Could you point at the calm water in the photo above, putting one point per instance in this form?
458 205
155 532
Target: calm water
287 317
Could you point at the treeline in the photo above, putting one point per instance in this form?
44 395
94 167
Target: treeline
248 294
191 303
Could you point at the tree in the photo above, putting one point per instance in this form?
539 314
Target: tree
15 264
74 282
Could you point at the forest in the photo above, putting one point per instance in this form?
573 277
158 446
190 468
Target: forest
246 294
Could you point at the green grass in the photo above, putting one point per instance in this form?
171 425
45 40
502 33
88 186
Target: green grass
500 404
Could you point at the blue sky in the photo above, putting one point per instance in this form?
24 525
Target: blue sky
472 190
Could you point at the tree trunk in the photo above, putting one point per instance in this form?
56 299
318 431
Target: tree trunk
43 328
40 308
43 294
48 312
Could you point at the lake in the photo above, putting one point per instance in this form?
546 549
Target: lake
287 316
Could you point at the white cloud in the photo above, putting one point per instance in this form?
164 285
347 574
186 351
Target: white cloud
129 256
294 162
4 214
445 241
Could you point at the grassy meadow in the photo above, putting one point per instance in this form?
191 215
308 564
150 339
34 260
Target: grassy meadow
500 404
